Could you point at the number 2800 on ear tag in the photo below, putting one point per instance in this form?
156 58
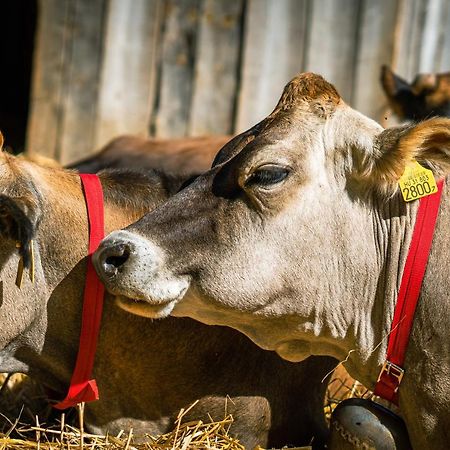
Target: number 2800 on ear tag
417 182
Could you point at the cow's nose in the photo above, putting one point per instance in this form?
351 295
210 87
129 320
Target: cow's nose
112 258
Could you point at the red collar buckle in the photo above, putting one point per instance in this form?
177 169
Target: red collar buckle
392 370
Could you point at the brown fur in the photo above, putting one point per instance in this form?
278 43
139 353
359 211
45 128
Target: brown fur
40 159
187 156
309 89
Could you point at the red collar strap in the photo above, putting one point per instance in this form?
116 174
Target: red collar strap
82 388
392 371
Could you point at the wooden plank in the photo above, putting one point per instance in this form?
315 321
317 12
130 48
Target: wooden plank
375 48
82 73
127 88
432 35
216 68
422 35
177 68
333 42
47 79
410 25
444 56
272 55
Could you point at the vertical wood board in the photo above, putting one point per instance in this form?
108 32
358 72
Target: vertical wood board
332 42
432 35
171 117
273 53
216 68
127 86
80 84
47 79
375 48
444 55
411 21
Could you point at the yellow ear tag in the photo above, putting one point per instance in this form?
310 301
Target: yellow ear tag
20 267
19 276
417 182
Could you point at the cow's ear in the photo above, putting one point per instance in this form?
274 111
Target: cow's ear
19 218
427 142
392 83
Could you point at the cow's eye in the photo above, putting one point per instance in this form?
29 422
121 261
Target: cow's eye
266 176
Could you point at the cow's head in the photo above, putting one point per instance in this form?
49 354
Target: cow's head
427 96
285 237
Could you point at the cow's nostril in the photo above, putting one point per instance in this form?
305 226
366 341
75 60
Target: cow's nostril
117 261
116 258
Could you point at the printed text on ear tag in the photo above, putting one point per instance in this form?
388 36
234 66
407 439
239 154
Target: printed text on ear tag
417 182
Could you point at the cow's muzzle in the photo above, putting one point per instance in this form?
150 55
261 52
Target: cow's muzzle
133 267
118 255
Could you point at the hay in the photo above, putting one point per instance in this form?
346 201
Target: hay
212 435
341 387
197 435
64 434
21 397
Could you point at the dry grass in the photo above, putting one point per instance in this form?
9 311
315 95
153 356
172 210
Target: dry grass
185 436
21 398
341 387
28 422
29 431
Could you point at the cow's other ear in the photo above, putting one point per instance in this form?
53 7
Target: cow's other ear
19 218
427 142
392 83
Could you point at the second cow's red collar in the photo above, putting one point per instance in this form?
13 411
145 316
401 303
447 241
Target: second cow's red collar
392 371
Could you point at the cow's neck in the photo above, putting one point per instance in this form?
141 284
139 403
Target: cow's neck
393 225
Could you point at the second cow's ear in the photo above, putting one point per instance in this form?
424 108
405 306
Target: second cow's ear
19 218
427 143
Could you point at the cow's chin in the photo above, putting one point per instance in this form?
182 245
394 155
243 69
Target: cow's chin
156 302
294 351
144 309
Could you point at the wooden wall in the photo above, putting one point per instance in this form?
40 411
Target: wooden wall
193 67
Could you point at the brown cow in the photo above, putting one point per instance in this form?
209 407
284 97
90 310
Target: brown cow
298 238
146 370
189 156
427 96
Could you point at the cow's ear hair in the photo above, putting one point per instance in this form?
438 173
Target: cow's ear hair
427 142
19 218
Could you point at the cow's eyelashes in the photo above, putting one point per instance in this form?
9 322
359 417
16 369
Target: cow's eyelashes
267 176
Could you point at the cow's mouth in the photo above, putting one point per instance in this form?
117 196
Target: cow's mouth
145 309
